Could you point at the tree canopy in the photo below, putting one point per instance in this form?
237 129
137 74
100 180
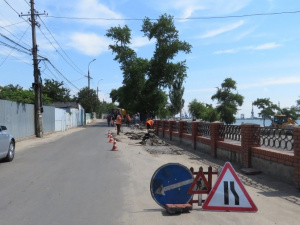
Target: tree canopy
228 101
144 81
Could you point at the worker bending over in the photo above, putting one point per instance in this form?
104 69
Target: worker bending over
149 124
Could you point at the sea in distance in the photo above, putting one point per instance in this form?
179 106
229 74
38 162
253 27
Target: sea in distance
256 121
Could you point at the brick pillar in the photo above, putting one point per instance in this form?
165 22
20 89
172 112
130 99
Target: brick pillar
180 128
171 129
163 128
296 134
156 126
247 142
214 137
194 132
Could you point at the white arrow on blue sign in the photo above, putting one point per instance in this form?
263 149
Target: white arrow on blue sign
170 184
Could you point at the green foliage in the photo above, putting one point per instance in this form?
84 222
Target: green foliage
143 80
268 109
56 91
89 100
211 114
292 113
203 111
162 71
197 109
17 94
175 96
228 101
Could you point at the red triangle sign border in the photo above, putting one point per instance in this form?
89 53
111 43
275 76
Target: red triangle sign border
199 174
206 205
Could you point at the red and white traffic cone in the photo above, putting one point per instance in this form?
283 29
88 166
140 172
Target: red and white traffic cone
108 135
111 139
115 145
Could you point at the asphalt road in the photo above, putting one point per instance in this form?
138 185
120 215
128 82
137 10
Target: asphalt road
75 178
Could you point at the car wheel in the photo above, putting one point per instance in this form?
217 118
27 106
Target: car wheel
11 152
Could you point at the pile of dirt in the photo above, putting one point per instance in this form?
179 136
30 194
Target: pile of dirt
149 139
153 144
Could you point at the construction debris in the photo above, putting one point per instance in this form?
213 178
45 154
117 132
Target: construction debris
147 138
152 143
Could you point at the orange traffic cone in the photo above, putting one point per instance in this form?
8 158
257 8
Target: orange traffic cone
108 135
115 146
111 140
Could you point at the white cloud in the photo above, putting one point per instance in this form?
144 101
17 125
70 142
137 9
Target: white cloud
141 41
89 43
223 29
271 82
94 9
190 8
266 46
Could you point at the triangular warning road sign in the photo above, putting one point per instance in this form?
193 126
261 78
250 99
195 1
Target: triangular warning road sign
199 185
229 194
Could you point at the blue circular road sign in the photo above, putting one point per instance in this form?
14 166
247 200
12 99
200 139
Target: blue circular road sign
170 184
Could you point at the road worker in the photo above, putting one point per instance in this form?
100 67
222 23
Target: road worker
118 123
149 124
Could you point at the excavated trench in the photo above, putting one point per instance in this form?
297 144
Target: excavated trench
152 143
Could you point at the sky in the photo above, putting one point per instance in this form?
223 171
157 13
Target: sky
254 42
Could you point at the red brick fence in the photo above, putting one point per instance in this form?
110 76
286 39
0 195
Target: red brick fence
243 146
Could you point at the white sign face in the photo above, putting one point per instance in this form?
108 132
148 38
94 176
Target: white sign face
229 193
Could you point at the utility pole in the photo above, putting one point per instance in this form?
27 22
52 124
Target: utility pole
37 85
89 73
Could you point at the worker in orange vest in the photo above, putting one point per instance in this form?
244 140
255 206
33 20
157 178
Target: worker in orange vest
149 124
118 123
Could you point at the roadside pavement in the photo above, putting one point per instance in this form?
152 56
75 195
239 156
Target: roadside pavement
277 202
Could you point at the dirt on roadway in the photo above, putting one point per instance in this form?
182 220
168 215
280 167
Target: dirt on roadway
277 202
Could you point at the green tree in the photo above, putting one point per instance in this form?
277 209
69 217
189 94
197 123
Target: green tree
175 96
18 94
134 69
162 70
142 90
89 100
56 91
268 109
290 112
211 114
228 101
197 109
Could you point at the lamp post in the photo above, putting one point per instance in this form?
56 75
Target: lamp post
89 73
97 87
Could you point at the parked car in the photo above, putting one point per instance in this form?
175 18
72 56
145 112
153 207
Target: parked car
7 145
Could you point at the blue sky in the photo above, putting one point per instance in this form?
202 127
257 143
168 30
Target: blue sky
261 53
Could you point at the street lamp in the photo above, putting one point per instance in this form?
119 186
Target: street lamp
97 87
89 72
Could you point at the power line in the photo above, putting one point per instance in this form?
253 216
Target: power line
47 60
16 42
12 49
74 66
13 24
19 39
175 18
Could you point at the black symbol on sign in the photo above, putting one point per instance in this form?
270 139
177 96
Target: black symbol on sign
226 193
200 185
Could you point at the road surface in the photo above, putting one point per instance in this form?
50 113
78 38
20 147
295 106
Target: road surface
74 178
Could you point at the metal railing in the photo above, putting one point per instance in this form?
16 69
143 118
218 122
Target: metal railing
275 138
203 129
175 126
167 125
185 127
230 132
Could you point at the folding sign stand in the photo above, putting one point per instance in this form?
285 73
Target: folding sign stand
201 184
